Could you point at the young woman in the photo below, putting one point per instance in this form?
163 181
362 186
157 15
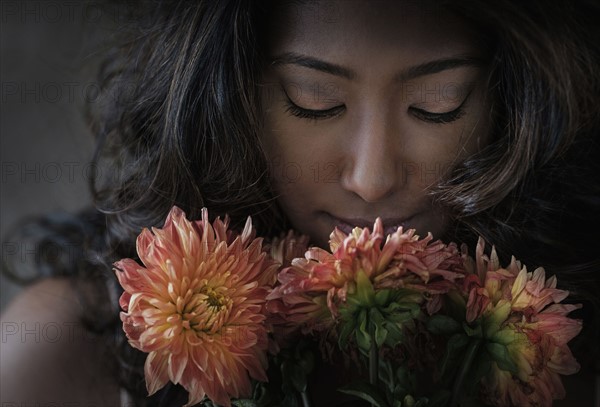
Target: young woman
457 118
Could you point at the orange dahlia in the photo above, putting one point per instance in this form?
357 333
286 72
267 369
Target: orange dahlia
313 288
196 306
526 330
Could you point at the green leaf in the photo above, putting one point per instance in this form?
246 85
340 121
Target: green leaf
454 353
382 297
345 333
500 355
376 316
415 310
456 305
366 391
405 381
380 335
364 289
473 331
386 373
504 336
352 302
442 325
406 305
361 318
380 332
402 293
409 401
395 335
363 339
493 322
400 317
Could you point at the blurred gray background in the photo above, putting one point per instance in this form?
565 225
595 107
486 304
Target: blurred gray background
50 51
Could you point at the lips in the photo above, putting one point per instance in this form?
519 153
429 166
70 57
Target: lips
390 224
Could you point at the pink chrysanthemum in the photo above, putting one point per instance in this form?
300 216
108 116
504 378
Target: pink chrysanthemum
313 288
286 248
283 251
520 310
197 306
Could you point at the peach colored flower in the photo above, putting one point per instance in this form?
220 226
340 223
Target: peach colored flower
313 288
286 248
520 310
283 250
196 306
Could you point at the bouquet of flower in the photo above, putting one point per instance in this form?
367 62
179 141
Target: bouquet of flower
237 321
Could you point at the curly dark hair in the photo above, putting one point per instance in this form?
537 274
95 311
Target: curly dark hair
180 124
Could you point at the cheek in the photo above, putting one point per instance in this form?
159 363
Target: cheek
299 190
432 154
301 172
302 169
303 156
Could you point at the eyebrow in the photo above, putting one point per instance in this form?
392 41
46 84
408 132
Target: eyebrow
427 68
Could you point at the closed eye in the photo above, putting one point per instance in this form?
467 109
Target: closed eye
430 117
303 113
311 114
439 118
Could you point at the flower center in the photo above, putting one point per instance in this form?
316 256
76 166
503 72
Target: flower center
214 299
207 309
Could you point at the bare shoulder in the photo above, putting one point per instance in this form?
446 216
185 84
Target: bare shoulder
46 355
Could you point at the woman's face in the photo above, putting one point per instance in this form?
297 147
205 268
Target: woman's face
367 105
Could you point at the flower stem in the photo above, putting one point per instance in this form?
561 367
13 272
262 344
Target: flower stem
464 368
373 357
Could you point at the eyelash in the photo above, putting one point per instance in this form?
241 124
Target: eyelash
439 118
436 118
310 114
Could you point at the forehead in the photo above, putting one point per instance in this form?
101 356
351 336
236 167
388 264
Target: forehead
363 29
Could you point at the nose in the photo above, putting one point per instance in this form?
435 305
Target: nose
372 157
